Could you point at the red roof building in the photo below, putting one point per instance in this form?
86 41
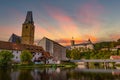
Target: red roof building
114 57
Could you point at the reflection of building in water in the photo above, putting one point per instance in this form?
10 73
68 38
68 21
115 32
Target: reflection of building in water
15 75
49 74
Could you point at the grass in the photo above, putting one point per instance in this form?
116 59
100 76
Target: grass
63 64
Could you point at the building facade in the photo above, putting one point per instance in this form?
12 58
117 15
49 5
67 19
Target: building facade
57 51
16 50
85 46
28 29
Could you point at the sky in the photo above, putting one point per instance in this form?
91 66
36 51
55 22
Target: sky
60 20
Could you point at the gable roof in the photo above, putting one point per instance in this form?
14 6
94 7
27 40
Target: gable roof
52 41
15 38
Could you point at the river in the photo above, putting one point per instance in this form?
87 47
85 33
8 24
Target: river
78 73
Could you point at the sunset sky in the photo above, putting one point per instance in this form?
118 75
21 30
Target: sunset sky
60 20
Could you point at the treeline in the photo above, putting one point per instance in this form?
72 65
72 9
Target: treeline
97 53
110 44
92 54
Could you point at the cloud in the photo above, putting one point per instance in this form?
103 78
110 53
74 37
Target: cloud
66 24
91 37
114 36
89 14
6 32
67 41
40 32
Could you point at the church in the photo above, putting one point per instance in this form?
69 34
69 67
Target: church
16 44
28 29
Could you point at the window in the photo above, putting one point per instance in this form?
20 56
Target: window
16 57
16 51
26 27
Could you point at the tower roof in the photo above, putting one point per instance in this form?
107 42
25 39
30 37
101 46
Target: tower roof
29 17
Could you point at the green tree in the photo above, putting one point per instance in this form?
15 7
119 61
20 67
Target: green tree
68 53
25 57
5 57
118 42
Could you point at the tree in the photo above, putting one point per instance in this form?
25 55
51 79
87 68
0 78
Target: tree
5 57
25 57
118 40
68 53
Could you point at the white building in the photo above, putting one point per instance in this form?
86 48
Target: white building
16 49
57 51
87 45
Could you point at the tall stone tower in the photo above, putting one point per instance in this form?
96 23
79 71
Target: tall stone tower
28 29
72 42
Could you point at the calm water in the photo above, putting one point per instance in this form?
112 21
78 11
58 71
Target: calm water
78 73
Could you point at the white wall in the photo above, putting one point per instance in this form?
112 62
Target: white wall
36 56
16 54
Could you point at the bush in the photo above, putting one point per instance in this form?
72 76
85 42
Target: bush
5 57
25 57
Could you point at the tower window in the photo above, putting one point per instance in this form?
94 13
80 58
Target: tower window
16 57
26 27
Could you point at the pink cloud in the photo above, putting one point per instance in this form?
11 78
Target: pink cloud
90 13
65 23
91 37
6 32
41 32
114 36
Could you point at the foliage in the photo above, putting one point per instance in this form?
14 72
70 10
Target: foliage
25 57
91 54
5 57
109 44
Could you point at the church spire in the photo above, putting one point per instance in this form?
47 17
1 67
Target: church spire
29 18
28 29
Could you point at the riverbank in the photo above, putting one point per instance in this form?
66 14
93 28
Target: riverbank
63 64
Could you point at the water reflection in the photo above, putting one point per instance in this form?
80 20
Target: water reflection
5 75
60 74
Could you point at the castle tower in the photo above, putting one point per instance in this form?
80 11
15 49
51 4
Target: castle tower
72 42
28 29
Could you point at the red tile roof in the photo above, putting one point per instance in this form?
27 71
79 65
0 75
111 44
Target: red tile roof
20 47
114 57
118 46
32 48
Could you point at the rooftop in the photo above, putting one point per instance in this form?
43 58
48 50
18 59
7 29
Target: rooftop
20 47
